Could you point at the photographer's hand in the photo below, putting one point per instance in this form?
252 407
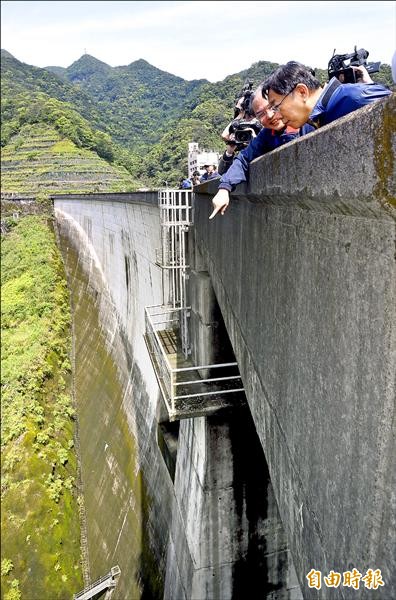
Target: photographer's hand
362 75
220 202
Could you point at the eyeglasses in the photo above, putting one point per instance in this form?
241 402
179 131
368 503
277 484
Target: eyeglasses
275 107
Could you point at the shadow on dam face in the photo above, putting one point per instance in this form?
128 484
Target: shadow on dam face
130 496
239 548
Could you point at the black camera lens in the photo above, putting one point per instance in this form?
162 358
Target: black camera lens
243 136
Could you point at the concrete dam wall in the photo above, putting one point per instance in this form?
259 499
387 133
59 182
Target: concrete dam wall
299 276
215 530
303 268
108 248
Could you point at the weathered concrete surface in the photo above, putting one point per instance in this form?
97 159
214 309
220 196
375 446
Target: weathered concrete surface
303 267
108 248
235 545
216 533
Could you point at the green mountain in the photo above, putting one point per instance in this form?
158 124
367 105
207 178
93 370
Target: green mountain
18 77
136 116
138 102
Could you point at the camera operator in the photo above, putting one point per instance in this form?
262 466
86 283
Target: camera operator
295 93
352 68
245 126
274 134
360 73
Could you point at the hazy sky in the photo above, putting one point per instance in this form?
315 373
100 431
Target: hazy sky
196 39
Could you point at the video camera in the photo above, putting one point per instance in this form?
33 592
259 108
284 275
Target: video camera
245 129
341 64
246 96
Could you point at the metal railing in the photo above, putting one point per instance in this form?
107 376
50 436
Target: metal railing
184 390
176 218
176 206
103 583
158 319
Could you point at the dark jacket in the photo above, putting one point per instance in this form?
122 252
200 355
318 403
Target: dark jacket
225 163
267 140
207 176
344 99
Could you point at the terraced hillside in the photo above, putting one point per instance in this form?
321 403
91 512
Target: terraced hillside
39 162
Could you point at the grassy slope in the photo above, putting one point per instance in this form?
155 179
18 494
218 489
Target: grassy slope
38 162
40 524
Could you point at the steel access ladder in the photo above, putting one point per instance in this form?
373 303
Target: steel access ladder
176 218
187 389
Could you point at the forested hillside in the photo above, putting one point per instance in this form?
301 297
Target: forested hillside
137 101
136 115
18 77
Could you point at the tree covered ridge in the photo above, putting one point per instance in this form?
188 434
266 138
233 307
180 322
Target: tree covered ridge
139 116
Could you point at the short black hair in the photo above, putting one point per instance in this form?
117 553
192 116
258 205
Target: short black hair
285 78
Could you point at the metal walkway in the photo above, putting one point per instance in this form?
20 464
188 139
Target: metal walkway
104 583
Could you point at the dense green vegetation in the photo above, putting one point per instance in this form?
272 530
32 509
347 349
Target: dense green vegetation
18 77
138 101
38 108
39 161
40 523
136 116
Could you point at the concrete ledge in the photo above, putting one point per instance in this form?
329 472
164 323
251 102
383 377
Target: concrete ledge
346 167
124 197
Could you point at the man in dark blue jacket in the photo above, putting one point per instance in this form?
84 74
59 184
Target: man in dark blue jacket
295 93
211 173
273 135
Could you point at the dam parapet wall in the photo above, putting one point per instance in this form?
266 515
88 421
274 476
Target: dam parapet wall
303 268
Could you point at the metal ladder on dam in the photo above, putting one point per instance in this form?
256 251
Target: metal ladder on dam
188 390
176 219
107 582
